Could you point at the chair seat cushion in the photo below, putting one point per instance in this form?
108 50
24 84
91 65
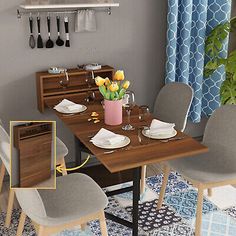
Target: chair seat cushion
76 195
61 149
205 168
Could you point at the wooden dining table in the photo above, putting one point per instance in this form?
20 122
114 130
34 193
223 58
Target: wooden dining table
141 150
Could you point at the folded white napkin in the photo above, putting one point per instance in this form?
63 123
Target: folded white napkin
160 127
67 106
106 137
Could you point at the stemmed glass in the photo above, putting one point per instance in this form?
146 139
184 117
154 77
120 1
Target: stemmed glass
144 115
64 81
128 104
90 93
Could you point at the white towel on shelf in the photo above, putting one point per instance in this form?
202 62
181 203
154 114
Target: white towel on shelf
106 137
67 106
160 127
85 21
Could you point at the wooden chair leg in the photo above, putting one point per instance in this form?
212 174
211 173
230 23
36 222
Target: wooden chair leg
2 174
41 231
143 179
199 211
163 187
9 207
63 163
21 224
83 226
209 192
103 224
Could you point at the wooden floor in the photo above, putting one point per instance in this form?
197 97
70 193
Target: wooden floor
98 176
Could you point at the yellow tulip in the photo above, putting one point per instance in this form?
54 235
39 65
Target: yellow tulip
113 87
107 81
99 81
126 84
119 75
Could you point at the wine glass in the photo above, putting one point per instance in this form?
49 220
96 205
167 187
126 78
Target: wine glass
89 81
144 113
64 81
128 104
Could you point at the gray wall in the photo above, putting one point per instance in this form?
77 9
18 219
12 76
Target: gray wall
133 38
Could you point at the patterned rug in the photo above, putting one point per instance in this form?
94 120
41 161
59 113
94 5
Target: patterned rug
175 218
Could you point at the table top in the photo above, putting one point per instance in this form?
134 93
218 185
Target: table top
138 152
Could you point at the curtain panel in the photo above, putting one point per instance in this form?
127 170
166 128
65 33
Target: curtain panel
189 21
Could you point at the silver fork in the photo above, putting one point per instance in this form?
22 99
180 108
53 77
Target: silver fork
116 150
171 139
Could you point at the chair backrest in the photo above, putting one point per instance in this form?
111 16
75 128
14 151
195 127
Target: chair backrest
173 103
5 148
31 203
4 137
220 135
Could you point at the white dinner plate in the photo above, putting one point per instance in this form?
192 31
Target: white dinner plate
159 136
121 144
64 110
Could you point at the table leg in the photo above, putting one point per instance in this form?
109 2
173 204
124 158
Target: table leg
78 151
136 198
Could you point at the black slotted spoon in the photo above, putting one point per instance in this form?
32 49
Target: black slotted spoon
59 41
39 39
49 43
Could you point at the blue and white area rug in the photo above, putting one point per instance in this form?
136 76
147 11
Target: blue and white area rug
175 218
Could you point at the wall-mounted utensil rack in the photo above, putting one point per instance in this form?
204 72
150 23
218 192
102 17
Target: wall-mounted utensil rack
64 8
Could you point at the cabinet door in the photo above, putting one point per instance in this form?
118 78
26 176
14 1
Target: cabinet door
35 160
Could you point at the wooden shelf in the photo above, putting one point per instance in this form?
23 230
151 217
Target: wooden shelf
49 88
34 135
74 89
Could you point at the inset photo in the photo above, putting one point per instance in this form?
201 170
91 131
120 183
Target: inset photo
33 162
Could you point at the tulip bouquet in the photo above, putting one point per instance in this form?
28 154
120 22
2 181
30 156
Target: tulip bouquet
113 90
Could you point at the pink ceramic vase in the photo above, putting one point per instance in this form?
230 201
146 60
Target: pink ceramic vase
113 112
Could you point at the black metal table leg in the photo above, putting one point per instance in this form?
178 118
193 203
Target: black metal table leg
78 150
136 198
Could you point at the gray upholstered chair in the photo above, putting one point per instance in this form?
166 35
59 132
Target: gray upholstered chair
212 169
76 201
172 105
61 151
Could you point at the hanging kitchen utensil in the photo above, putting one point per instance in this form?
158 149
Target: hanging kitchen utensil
49 43
59 41
31 39
39 39
66 22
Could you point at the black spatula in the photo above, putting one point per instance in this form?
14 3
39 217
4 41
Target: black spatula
39 39
49 43
31 39
59 41
66 22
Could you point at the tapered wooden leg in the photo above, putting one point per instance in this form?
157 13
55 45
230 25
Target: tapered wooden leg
163 187
41 231
83 226
199 211
209 192
143 179
103 224
9 207
21 224
2 174
64 172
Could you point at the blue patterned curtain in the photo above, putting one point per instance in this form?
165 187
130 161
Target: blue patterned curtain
189 21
